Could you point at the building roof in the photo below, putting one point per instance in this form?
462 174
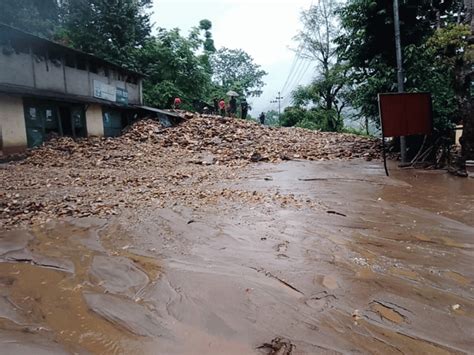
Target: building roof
15 32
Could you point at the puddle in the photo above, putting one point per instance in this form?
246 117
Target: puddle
50 298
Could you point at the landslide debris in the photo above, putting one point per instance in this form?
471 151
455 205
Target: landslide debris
151 163
231 141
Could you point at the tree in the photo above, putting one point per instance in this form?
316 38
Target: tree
314 118
466 78
110 29
172 69
40 17
234 69
271 118
369 48
320 29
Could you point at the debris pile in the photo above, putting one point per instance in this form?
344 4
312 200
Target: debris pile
230 141
240 140
152 164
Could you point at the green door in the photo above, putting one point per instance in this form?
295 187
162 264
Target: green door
79 121
34 126
112 123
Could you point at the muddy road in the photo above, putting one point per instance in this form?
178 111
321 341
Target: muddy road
298 257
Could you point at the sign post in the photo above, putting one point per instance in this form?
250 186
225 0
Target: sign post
403 115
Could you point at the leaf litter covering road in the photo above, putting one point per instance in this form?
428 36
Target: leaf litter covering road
151 163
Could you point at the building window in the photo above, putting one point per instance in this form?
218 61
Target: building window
21 47
81 63
93 67
55 58
70 60
132 79
39 54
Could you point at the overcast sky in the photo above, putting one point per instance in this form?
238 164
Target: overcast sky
262 28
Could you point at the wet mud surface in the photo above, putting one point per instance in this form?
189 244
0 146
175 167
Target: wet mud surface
346 260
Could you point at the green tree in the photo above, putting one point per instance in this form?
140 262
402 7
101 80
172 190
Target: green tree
40 17
317 42
369 48
314 118
172 69
271 118
110 29
234 69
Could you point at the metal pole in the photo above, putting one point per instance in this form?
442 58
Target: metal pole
279 105
398 47
278 99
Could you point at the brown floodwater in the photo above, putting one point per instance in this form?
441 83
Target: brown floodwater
338 259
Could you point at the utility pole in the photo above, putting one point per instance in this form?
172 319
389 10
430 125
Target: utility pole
398 47
278 100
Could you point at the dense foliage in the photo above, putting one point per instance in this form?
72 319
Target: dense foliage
354 48
120 31
40 17
234 69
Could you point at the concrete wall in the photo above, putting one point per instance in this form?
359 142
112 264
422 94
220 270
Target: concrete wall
35 71
12 124
16 69
133 94
48 75
77 82
94 120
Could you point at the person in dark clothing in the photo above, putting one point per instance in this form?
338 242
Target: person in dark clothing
244 107
215 101
262 118
232 106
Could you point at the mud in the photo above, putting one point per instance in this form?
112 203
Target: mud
363 264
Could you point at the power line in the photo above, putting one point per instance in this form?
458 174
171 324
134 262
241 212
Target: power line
298 77
297 63
290 73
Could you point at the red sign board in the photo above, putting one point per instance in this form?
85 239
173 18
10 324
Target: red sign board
405 114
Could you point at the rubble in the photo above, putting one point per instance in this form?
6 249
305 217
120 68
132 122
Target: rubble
152 164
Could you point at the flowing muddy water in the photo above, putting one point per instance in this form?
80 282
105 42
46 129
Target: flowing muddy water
350 261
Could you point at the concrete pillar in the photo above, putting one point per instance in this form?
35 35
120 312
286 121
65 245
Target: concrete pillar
12 125
94 121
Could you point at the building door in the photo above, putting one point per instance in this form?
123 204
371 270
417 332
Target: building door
66 121
78 122
46 119
112 123
34 126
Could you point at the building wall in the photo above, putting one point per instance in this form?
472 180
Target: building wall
133 94
77 81
12 124
94 120
48 75
36 71
16 68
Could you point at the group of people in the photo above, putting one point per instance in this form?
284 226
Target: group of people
220 107
230 109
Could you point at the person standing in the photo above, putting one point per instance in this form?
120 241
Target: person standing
176 103
215 102
244 108
262 118
232 106
222 107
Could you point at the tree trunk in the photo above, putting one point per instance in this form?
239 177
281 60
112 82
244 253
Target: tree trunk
467 139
